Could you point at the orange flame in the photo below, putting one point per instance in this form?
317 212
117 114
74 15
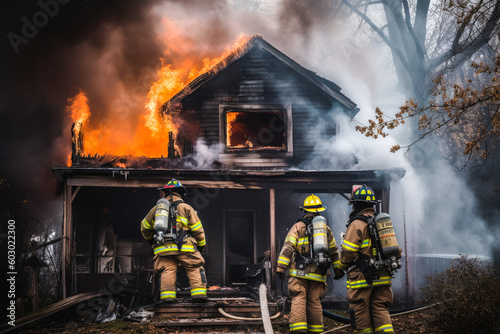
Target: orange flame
80 110
143 133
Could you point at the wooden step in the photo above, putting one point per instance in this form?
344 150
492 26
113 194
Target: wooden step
185 308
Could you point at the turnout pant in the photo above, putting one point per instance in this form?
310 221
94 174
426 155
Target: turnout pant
166 266
369 306
306 314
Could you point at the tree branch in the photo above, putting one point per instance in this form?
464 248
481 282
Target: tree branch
420 25
418 44
460 52
384 37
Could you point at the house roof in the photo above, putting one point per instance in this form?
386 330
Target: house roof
327 86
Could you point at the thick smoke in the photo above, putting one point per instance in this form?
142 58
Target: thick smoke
112 49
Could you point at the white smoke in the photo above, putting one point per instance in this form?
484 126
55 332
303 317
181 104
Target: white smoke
433 198
203 157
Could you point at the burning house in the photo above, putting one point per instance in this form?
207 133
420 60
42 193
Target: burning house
255 111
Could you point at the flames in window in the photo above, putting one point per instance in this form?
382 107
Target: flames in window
255 130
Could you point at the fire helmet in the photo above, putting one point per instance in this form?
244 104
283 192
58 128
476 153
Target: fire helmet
362 193
312 203
174 186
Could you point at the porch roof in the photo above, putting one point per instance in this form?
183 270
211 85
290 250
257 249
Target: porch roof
299 180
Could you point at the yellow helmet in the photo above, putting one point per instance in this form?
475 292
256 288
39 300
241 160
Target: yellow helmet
312 203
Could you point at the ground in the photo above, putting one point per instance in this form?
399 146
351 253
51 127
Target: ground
411 323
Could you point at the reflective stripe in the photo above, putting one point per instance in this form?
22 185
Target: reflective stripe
292 240
198 292
173 248
182 220
283 260
161 214
303 241
357 284
196 226
366 243
187 248
309 276
386 280
298 326
343 266
146 225
336 264
367 330
169 248
382 281
385 328
167 294
350 246
201 243
315 328
332 244
316 234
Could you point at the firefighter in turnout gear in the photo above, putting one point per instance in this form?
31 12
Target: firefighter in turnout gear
308 252
176 243
368 288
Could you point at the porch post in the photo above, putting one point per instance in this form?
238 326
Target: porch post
69 196
65 258
272 220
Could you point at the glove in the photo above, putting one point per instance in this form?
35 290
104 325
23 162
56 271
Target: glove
282 276
201 249
338 274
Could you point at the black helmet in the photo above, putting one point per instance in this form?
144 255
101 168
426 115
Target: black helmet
174 186
362 194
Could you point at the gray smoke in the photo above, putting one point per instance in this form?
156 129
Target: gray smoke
112 49
433 199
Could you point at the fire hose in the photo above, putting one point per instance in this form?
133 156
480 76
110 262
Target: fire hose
345 320
391 312
266 319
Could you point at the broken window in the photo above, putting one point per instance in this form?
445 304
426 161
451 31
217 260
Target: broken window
255 128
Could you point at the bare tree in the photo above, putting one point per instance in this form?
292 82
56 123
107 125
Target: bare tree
446 59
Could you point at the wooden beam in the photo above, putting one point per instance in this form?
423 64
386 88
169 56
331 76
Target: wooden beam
65 260
106 182
75 193
272 227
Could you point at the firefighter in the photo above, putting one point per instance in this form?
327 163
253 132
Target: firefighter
307 279
184 250
368 290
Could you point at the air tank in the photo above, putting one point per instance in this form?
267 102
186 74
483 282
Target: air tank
319 235
385 230
162 227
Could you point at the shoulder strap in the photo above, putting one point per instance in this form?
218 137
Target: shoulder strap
305 221
359 217
176 203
